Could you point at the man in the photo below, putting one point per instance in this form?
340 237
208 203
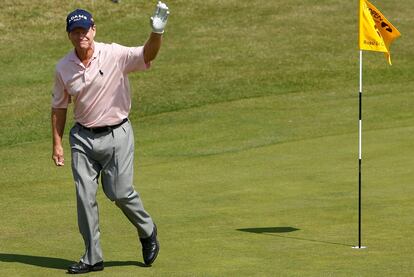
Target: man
94 77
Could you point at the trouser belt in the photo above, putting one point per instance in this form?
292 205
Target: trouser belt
98 130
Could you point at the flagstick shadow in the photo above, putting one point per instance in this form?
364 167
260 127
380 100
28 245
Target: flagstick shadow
276 231
56 263
311 240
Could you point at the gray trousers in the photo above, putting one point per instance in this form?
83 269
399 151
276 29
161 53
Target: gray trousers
111 156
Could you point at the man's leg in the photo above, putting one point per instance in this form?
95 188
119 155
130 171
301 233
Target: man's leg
85 173
117 181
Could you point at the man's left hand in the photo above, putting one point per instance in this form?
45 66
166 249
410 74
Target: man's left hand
160 17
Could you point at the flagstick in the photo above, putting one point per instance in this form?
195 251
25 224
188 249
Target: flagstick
360 156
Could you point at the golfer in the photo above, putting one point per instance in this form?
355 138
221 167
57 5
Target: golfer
94 77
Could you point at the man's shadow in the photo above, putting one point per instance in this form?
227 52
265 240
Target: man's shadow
56 263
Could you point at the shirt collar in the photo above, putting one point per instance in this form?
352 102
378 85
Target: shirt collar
97 51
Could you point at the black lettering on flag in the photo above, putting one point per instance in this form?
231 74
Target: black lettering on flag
386 26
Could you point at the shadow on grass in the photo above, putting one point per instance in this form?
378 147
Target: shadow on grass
56 263
269 230
124 263
275 231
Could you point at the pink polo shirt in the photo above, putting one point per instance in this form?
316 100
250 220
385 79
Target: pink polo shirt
100 92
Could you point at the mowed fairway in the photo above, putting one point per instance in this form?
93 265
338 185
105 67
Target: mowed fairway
246 132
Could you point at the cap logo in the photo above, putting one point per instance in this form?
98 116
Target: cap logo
77 17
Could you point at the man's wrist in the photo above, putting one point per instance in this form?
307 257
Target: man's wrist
157 33
57 144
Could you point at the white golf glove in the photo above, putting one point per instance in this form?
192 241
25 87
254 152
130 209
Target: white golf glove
159 19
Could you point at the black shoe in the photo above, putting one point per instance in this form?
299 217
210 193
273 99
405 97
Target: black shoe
81 267
150 247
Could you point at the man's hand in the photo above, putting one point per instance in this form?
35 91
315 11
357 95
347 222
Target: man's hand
58 155
159 19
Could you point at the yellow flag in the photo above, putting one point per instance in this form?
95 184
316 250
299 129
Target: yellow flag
376 33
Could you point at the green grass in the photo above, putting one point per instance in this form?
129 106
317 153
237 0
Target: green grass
247 120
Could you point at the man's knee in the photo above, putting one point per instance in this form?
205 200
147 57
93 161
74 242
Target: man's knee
121 195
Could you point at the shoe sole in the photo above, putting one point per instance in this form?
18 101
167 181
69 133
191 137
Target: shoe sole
86 271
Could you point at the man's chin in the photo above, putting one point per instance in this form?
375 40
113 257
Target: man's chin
84 46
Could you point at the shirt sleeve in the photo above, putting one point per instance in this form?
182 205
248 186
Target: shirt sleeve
60 97
130 58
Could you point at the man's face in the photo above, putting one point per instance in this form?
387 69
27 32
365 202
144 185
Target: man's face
82 39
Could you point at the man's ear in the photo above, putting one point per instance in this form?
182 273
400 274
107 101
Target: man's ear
94 30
